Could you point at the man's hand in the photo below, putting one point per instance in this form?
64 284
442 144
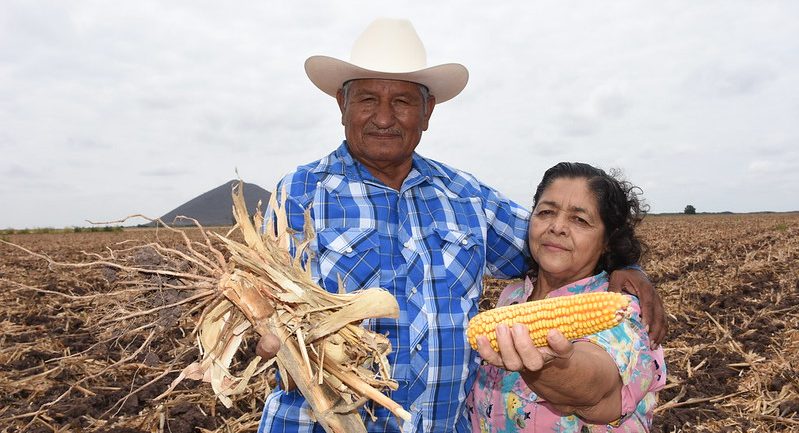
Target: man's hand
653 314
267 346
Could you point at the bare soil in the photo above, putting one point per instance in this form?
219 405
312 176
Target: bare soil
730 284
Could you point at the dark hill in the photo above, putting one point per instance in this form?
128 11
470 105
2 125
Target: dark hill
213 208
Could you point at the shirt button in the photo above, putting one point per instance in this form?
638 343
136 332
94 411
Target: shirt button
464 242
348 250
418 347
413 290
408 244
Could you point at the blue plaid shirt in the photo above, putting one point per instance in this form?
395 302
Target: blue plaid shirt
429 244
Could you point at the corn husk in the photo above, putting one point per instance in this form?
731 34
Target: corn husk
336 364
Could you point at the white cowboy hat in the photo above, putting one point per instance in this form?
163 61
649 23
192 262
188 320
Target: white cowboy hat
388 49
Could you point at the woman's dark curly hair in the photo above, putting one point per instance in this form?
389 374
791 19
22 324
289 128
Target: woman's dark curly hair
620 208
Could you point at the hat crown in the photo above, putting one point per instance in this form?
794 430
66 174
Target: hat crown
389 49
389 45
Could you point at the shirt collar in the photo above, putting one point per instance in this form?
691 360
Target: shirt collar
342 163
339 162
594 283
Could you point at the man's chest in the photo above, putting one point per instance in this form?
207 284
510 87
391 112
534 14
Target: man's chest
369 237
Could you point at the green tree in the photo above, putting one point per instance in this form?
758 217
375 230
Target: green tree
690 210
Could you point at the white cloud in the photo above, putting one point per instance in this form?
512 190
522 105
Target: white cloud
730 81
104 101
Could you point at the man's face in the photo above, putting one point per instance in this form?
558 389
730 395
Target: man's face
384 120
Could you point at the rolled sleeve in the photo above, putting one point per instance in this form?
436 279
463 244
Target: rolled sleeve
507 255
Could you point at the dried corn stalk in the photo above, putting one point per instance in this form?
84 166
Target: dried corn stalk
258 285
336 364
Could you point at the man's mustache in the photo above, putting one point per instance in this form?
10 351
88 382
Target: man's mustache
379 131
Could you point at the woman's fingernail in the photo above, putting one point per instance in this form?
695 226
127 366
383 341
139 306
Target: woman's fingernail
501 330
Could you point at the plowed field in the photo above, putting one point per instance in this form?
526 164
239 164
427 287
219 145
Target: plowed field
730 284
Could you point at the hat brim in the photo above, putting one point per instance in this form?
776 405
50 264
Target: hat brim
444 81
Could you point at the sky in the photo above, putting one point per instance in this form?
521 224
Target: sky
114 108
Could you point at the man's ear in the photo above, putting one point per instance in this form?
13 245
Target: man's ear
430 104
341 103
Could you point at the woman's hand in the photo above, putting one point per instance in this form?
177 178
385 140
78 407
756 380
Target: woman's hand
517 351
584 381
635 282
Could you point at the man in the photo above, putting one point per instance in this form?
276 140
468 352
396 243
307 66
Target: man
387 217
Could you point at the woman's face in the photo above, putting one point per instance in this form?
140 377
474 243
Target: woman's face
566 233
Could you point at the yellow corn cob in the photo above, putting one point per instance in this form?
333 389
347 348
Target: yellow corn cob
575 316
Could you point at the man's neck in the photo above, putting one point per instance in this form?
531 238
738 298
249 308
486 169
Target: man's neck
391 174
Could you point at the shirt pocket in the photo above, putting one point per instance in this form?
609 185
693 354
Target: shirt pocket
462 260
349 254
467 212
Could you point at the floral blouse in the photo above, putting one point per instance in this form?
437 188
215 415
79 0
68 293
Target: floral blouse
502 402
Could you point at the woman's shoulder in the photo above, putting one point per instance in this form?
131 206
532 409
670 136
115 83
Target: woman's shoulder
515 292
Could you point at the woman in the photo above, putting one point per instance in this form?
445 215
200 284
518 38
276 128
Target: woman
581 229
